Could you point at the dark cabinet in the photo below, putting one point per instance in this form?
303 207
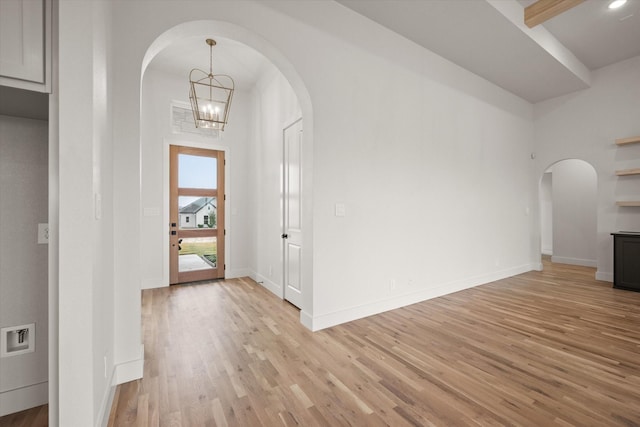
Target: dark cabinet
626 260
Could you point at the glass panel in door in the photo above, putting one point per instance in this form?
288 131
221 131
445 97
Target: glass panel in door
197 213
197 253
197 171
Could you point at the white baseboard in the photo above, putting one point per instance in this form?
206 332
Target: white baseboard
24 398
306 320
575 261
328 320
130 370
271 286
152 283
238 272
107 401
604 276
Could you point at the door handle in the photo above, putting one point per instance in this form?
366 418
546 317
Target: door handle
285 236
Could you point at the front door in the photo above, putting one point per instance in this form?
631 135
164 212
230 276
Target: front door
196 214
292 214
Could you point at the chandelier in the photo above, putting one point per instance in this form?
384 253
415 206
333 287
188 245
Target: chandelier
210 95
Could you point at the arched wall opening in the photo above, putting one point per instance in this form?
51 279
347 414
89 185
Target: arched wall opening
568 193
252 142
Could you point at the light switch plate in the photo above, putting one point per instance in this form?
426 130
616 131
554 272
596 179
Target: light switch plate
340 209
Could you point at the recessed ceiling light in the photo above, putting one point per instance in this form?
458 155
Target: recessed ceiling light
616 4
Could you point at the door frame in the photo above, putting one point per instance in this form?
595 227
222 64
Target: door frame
176 230
166 198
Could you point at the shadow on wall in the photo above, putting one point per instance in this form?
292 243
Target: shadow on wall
568 219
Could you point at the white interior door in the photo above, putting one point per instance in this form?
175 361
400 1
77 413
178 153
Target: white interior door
292 212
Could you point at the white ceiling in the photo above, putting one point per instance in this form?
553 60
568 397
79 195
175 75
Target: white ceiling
487 37
242 63
598 36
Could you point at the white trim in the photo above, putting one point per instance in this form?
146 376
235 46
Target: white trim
306 319
289 123
153 282
270 285
235 274
130 370
604 276
575 261
327 320
107 402
23 398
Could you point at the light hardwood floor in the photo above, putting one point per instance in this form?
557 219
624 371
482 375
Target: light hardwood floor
539 349
34 417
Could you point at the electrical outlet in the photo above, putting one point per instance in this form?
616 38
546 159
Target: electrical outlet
392 285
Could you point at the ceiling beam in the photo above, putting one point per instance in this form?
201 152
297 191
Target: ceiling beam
513 11
543 10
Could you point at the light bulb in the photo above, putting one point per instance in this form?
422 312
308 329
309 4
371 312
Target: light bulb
616 4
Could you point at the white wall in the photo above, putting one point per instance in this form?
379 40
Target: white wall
451 159
86 221
546 213
275 106
574 195
584 125
434 174
437 192
159 90
23 262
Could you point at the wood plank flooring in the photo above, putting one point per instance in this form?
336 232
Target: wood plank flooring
34 417
539 349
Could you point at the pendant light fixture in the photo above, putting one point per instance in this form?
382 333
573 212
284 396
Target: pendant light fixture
210 95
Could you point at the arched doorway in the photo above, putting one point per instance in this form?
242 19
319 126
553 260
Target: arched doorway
264 104
568 212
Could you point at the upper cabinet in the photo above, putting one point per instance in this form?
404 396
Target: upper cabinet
25 44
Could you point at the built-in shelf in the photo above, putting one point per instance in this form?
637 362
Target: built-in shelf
629 203
631 140
626 172
623 172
